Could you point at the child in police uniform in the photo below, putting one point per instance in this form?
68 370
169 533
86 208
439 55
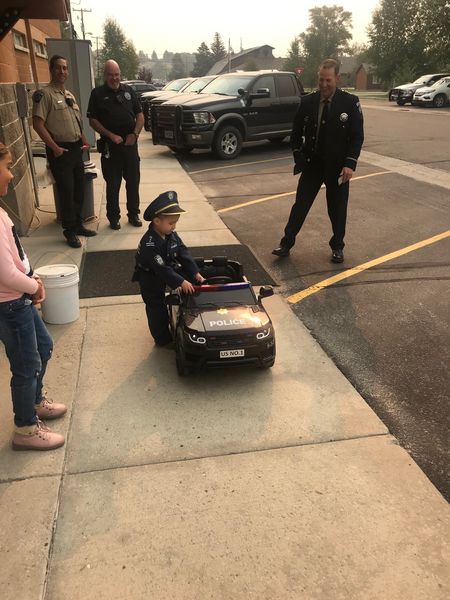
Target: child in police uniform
163 260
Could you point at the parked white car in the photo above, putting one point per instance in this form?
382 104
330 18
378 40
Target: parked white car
437 95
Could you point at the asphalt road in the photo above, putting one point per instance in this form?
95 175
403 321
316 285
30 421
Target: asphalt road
387 328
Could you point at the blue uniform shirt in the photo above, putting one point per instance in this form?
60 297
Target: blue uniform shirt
160 259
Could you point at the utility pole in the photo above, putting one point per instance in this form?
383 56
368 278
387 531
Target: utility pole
82 11
229 55
97 62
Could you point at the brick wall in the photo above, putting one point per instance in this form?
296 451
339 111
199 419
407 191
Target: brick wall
20 201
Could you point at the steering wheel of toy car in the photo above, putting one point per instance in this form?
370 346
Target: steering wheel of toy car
217 279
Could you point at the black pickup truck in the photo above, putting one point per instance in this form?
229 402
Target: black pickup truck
232 109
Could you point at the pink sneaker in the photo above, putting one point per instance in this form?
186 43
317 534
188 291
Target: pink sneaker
47 409
41 438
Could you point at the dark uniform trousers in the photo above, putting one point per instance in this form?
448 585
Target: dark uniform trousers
155 309
311 179
68 172
119 162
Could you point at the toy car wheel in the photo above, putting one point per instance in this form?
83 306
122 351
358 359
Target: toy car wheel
268 365
439 101
180 359
227 143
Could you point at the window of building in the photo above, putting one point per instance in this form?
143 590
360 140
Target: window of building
20 41
40 49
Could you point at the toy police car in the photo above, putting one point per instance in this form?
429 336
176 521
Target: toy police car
223 323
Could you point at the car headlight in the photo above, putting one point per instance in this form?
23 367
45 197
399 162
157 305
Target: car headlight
263 334
203 118
193 337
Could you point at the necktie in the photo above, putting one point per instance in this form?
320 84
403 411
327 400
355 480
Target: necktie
321 138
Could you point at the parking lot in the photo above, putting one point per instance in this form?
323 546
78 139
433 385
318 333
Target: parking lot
385 327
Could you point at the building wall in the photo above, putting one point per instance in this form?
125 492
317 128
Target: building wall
361 79
19 203
15 63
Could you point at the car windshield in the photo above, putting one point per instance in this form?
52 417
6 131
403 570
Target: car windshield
198 84
227 86
440 82
421 80
176 85
225 296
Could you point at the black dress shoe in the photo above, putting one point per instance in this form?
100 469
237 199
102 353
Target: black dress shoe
72 239
81 230
114 225
337 256
281 251
135 221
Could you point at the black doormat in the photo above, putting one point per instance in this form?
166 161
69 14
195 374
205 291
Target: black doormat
109 273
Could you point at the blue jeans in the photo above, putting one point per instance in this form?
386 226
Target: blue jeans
28 347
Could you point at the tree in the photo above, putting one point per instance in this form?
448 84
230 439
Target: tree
178 69
435 16
203 61
397 41
145 74
326 37
117 47
294 58
217 48
154 56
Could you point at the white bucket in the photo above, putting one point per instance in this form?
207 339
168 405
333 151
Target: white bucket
61 304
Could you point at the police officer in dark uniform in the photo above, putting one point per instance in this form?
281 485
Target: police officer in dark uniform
163 260
326 140
115 112
57 121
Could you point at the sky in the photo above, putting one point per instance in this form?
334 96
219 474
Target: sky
180 26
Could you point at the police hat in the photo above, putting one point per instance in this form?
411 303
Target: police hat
165 204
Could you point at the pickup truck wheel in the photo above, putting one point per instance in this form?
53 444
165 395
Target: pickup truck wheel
228 142
401 102
439 101
184 150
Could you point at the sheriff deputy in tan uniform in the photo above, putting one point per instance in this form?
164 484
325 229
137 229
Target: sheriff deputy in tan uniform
57 120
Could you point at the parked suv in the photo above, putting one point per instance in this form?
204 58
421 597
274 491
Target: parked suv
234 108
140 86
404 93
437 95
194 86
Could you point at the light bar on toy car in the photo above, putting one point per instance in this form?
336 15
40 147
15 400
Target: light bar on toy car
221 286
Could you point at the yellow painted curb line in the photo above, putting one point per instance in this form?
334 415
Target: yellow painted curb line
258 200
313 289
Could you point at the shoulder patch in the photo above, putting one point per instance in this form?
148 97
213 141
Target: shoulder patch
37 96
358 104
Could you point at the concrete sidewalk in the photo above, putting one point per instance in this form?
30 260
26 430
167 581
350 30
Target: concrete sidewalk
230 484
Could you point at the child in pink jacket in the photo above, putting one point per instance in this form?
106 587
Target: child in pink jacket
27 342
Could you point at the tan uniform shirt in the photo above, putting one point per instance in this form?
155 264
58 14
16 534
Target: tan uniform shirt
62 121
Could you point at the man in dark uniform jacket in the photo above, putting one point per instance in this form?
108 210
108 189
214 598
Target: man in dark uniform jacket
326 141
115 113
163 260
